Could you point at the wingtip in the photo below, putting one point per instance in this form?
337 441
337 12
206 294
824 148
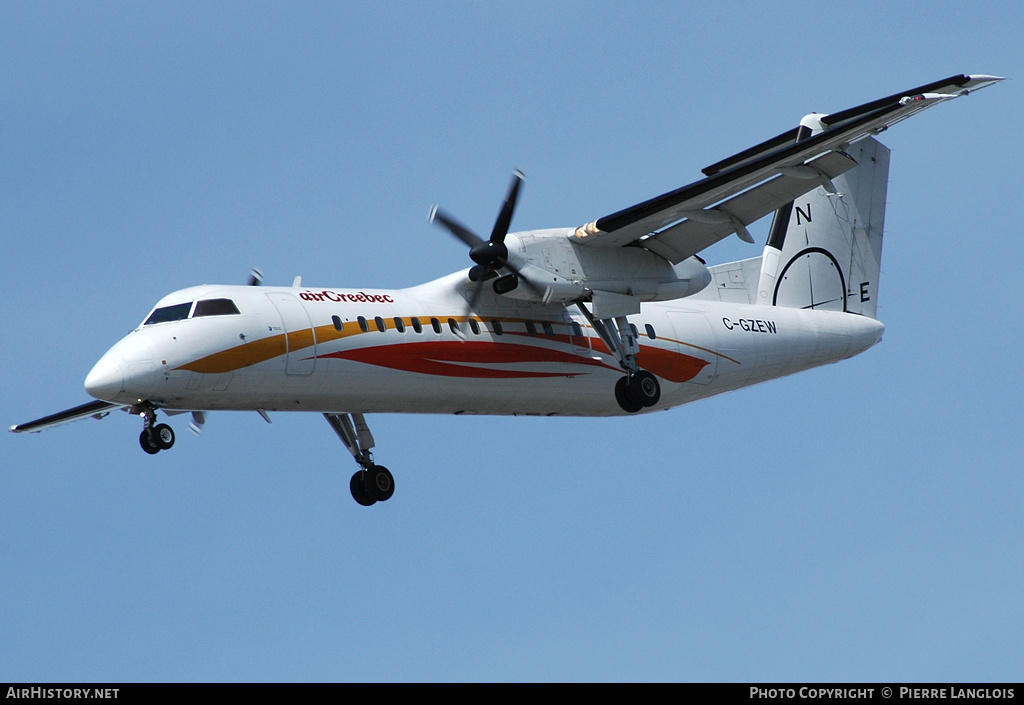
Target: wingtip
977 81
432 214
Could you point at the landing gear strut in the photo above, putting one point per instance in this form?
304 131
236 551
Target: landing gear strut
154 437
372 483
639 388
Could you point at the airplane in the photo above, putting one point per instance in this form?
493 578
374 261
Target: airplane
616 316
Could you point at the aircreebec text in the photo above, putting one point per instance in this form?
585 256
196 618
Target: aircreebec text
357 298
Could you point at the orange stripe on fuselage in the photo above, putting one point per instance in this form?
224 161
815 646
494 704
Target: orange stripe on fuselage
263 349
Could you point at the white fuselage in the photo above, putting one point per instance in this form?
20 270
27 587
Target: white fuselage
305 349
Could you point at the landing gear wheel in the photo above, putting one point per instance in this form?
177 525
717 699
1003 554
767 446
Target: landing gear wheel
622 396
148 443
359 493
379 483
644 389
163 435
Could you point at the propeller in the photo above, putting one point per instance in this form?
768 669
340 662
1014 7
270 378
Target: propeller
491 255
255 277
196 424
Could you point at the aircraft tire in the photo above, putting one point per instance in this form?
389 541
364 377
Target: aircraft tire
380 483
622 396
147 444
359 494
164 436
644 388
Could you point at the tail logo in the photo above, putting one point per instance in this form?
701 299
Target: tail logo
813 275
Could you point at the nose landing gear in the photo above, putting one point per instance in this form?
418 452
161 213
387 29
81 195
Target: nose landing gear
160 437
154 437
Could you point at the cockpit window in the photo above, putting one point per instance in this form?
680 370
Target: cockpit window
216 307
177 312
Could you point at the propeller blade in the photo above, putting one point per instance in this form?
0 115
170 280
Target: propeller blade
455 227
255 277
507 208
471 302
475 297
196 424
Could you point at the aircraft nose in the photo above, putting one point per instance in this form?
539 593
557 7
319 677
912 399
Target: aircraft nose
106 380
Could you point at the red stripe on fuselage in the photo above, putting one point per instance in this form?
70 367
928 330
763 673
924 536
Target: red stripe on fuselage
456 359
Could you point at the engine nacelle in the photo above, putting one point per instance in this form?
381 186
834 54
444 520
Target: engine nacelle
562 270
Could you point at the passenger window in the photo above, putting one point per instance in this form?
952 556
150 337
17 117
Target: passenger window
436 325
636 333
399 325
216 307
338 325
576 330
381 325
530 328
177 312
496 327
474 326
416 325
650 331
548 331
453 326
363 325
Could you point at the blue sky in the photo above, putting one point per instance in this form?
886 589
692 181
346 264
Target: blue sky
858 522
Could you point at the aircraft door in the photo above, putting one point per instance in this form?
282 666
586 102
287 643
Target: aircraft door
299 334
577 334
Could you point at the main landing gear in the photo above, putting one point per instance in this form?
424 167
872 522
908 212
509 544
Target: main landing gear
372 483
636 391
639 388
154 437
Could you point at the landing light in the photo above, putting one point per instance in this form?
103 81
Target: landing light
585 231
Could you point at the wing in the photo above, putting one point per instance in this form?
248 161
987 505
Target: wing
749 185
96 409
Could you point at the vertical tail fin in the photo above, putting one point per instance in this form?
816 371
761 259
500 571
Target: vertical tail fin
825 249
